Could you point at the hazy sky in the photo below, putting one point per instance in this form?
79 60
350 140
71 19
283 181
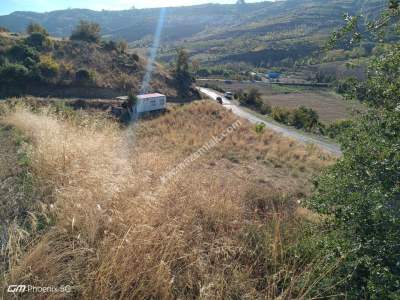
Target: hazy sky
8 6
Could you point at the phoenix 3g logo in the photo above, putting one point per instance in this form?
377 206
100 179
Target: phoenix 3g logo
16 288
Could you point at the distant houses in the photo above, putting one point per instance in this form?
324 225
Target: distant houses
273 76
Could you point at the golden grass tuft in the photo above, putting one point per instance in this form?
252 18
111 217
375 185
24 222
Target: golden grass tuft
119 233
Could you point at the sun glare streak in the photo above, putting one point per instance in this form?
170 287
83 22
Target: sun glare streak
130 131
153 52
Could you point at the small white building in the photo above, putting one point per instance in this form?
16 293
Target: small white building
151 102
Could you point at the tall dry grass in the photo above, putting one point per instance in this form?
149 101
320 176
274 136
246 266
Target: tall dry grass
119 233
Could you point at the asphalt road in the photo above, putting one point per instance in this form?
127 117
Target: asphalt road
292 133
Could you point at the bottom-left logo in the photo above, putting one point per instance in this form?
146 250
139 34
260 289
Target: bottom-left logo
16 288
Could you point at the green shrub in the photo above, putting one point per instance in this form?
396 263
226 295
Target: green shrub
259 128
132 99
86 31
21 52
360 197
3 60
48 67
84 76
336 129
265 108
203 73
280 114
304 118
135 57
14 73
39 41
109 45
36 28
250 98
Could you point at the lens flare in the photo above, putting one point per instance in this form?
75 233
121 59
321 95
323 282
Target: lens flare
153 52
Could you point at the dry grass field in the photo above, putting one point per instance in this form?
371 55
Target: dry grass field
223 228
330 106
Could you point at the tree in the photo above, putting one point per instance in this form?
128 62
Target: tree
360 195
39 41
250 98
35 27
304 117
23 53
183 79
86 31
14 73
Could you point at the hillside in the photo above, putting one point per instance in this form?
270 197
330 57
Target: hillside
43 65
260 33
101 221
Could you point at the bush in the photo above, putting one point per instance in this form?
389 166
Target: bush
265 108
14 73
336 129
135 57
48 67
109 45
21 52
250 98
304 117
84 76
203 73
280 114
39 41
259 128
122 46
182 78
86 31
360 197
36 28
132 99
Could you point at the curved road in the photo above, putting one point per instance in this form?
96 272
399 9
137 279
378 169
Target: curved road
292 133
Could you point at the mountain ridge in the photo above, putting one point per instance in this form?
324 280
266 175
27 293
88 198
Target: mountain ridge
213 33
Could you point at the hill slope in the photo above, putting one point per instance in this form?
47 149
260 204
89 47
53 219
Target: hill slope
108 227
259 32
72 68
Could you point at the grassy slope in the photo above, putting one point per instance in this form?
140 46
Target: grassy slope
222 228
112 69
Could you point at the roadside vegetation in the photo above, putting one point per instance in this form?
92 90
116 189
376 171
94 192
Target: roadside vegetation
360 194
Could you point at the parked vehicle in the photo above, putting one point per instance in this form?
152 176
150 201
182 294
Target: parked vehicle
229 95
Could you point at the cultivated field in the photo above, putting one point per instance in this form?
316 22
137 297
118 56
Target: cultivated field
101 220
329 105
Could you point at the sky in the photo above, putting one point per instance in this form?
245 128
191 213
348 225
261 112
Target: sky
9 6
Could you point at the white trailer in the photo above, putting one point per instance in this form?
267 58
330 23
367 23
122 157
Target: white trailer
151 102
148 102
